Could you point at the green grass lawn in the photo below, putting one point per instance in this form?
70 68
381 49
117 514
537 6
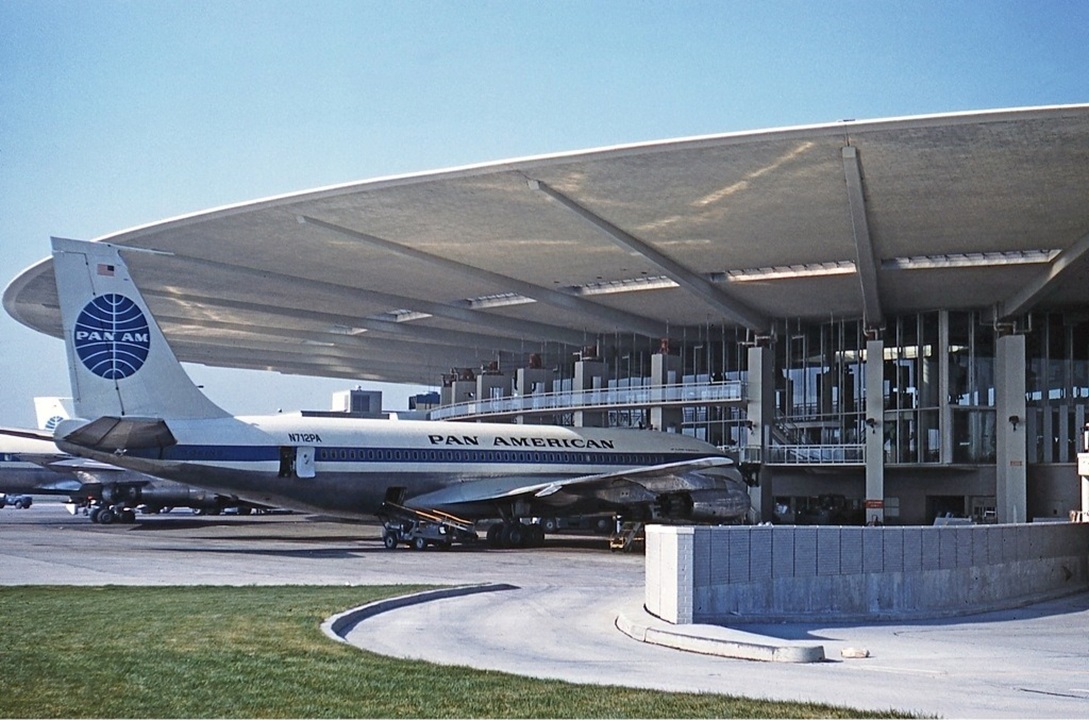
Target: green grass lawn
258 652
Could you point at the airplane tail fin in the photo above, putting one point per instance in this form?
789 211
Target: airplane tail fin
118 359
51 410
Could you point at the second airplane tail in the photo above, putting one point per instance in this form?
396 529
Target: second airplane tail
118 359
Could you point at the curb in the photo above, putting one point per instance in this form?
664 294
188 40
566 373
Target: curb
339 625
720 647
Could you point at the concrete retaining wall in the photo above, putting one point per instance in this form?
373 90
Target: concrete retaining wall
759 573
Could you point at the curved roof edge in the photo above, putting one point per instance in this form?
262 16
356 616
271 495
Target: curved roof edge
996 115
529 162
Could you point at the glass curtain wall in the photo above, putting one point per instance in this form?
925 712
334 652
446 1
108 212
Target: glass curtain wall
820 384
1056 385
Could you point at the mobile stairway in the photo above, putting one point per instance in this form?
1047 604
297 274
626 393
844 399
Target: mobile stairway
627 536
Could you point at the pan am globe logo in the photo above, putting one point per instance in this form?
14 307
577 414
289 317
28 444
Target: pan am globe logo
112 337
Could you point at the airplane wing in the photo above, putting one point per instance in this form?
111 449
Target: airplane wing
506 489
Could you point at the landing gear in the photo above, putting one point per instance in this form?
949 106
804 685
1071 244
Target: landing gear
110 514
515 535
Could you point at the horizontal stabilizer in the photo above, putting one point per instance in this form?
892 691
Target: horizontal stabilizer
110 434
43 435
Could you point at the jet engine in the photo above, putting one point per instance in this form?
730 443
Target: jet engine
717 505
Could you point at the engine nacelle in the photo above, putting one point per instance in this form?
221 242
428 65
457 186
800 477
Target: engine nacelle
178 496
719 505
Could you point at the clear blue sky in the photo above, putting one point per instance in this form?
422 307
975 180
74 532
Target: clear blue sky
114 114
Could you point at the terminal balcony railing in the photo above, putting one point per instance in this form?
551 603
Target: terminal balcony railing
849 454
613 398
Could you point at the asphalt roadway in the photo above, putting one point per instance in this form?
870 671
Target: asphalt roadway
558 620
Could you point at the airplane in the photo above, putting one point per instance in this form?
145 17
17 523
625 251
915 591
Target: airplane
35 466
138 409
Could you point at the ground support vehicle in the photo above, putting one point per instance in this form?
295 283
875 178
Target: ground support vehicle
19 502
421 528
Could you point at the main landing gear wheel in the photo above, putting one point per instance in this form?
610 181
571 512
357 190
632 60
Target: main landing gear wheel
515 535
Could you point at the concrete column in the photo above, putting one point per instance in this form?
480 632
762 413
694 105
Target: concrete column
874 429
1010 474
590 375
760 411
664 370
462 391
945 411
530 381
489 386
1083 469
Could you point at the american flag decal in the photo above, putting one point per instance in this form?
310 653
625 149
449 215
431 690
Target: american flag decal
104 269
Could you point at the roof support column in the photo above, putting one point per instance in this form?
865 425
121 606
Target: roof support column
875 431
760 414
864 259
945 452
1010 445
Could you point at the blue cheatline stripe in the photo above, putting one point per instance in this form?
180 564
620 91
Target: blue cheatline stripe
344 454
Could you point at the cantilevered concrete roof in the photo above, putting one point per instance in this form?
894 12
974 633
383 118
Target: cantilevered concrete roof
402 278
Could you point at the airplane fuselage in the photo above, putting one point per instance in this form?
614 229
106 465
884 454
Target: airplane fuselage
347 466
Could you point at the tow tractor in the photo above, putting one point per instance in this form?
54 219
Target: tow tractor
420 528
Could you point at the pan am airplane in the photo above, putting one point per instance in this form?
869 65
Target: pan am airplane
141 411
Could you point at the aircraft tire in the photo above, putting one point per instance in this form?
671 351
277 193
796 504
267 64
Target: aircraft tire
105 516
419 543
127 516
93 515
514 535
389 540
549 525
535 535
495 535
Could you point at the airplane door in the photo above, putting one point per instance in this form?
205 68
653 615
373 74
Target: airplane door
304 462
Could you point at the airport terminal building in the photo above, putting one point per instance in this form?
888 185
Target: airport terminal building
887 321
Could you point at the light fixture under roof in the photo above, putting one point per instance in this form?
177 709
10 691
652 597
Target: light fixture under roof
337 329
405 315
786 272
963 260
498 300
611 287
